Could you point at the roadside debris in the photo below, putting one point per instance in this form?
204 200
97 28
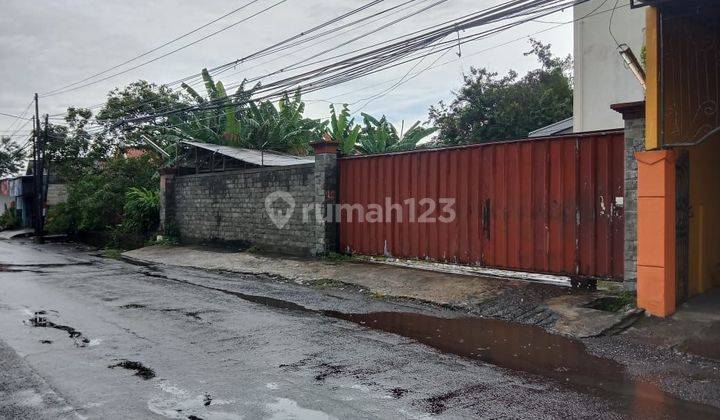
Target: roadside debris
40 319
140 369
398 393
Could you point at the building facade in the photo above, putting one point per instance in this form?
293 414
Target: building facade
600 75
678 208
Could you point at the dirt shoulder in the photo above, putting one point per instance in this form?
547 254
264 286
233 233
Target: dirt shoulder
561 310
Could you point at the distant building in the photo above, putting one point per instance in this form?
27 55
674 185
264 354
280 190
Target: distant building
17 193
561 127
132 152
601 77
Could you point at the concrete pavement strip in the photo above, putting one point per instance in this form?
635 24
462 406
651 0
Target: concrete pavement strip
558 309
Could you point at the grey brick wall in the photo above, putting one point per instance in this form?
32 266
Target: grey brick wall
231 207
326 188
634 142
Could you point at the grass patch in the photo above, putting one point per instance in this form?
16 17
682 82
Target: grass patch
335 256
378 295
254 249
614 303
112 253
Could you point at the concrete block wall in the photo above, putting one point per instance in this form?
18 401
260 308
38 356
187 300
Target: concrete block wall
56 194
231 207
634 142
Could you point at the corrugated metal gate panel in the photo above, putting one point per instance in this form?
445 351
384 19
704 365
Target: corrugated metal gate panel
545 205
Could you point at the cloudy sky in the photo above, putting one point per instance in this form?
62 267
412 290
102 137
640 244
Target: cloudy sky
47 44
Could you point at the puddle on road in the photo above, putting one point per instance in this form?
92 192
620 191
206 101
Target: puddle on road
177 403
285 408
518 347
531 349
37 268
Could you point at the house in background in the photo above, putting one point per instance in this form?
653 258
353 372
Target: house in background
17 193
561 127
678 213
6 200
601 77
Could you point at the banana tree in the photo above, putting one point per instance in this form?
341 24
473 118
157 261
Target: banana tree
284 129
381 136
344 130
214 125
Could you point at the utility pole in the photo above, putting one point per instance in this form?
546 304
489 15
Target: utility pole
37 176
45 179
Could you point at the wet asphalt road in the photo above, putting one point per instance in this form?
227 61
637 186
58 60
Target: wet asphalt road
127 340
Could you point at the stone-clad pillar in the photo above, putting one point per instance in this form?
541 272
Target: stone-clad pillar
326 196
634 116
167 202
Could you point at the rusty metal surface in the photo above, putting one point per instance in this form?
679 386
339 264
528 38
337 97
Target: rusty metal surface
255 157
545 205
690 73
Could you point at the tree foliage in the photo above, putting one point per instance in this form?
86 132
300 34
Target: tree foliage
374 136
136 100
142 209
71 149
247 123
11 156
381 136
97 198
492 108
344 130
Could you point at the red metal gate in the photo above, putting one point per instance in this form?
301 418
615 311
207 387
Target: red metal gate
551 205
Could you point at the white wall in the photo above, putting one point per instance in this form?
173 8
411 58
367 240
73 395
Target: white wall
56 194
601 77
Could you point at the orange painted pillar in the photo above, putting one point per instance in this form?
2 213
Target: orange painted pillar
656 232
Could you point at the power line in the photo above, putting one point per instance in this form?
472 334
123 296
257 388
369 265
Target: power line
186 34
341 29
23 114
264 51
144 63
387 56
457 21
278 44
11 115
261 51
432 65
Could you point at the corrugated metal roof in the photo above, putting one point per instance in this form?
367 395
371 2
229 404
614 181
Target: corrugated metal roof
560 127
255 157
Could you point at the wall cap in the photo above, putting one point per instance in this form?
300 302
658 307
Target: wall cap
325 147
630 110
652 157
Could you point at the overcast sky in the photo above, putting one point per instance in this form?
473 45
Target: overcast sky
47 44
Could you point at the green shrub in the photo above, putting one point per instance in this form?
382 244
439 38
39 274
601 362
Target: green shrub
142 210
59 219
97 200
9 218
